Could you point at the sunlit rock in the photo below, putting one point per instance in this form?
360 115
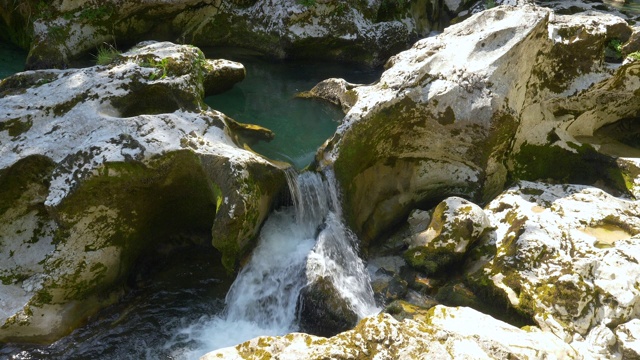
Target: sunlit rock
455 226
100 165
567 256
511 92
628 335
440 333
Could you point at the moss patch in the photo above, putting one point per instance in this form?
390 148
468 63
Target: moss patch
584 166
13 181
153 202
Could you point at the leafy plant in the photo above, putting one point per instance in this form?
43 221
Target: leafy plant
106 54
614 47
161 65
490 4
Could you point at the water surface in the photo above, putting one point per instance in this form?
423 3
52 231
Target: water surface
12 59
267 98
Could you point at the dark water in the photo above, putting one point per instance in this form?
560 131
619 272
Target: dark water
147 323
12 60
267 98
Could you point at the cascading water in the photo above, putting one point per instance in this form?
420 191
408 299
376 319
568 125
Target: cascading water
296 245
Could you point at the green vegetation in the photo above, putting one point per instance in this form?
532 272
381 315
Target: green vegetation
307 2
634 55
106 54
95 14
490 4
161 65
613 49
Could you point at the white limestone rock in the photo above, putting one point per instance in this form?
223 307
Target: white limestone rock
566 255
440 333
628 335
99 165
507 91
455 226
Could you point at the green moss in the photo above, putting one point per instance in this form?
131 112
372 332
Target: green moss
14 181
13 278
148 204
63 108
584 166
430 260
16 127
42 297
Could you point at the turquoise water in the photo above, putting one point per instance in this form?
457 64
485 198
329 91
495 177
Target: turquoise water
12 60
267 98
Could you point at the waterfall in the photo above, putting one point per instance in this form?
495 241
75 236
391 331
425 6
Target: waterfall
296 244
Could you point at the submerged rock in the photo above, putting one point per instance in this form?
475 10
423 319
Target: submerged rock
504 94
440 333
566 255
100 165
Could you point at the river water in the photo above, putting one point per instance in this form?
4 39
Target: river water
267 98
12 59
632 7
178 310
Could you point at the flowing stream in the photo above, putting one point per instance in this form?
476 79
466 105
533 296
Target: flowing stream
297 244
178 309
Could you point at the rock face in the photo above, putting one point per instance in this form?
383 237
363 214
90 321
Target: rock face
505 94
440 333
566 255
364 31
99 165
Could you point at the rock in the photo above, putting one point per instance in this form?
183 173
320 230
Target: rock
440 333
628 335
455 226
571 7
220 75
633 45
566 255
335 91
101 165
323 311
363 32
504 94
386 274
419 221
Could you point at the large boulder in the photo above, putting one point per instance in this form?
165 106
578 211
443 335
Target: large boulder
567 256
364 32
502 95
100 165
440 333
455 226
323 311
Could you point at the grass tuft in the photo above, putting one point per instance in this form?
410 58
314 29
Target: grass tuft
106 54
